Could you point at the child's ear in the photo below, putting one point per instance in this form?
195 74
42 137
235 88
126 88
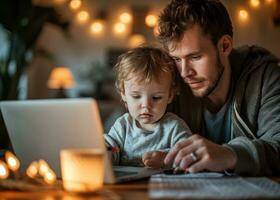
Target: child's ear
170 97
123 96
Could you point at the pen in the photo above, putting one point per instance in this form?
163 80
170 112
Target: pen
178 170
113 149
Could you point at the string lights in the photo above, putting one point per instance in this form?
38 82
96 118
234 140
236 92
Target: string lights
255 3
243 14
122 25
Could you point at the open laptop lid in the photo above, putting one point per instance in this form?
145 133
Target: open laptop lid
39 129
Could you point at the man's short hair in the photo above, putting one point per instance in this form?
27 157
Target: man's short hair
180 15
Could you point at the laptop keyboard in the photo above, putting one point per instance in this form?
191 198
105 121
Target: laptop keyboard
119 173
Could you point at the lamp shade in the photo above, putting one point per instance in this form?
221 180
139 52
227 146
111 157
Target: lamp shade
61 77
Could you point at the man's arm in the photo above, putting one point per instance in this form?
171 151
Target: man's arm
260 156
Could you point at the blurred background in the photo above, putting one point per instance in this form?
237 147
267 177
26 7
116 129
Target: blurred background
67 48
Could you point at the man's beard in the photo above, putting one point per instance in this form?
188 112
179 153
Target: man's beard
215 83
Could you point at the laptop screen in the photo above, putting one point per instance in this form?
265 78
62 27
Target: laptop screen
39 129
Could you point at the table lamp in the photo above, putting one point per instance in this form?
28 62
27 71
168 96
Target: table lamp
61 78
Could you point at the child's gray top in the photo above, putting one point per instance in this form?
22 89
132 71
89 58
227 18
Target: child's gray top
133 141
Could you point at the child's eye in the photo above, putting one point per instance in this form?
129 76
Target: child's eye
136 96
157 98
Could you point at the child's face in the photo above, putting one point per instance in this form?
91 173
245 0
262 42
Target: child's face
147 102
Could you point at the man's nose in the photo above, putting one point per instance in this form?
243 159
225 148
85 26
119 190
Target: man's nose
186 69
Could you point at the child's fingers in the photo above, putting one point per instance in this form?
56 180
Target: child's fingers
146 156
153 164
148 162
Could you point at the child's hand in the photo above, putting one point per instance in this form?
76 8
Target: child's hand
154 159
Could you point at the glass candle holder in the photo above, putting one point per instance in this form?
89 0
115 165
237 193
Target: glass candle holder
82 169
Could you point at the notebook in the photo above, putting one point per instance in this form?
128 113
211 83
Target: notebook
39 129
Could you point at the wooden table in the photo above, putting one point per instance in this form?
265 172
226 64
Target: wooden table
134 190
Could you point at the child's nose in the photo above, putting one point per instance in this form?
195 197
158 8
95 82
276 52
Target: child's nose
146 103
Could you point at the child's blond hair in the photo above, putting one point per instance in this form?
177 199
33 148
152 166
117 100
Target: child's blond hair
146 64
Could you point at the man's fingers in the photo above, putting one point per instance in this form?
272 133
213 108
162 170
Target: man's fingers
185 152
198 166
186 162
170 157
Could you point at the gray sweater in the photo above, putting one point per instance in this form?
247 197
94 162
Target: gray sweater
255 133
134 141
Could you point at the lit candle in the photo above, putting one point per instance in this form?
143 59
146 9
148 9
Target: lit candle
4 171
43 167
33 169
12 161
82 169
50 177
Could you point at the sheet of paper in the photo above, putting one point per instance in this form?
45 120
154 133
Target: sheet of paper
211 185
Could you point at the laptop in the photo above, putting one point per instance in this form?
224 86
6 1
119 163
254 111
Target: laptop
39 129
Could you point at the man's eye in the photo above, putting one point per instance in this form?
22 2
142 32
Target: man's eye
157 98
196 57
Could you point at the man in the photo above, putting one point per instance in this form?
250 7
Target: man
229 97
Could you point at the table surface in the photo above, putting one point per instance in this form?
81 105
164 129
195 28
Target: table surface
137 190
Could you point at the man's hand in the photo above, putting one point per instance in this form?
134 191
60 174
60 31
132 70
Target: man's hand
154 159
196 154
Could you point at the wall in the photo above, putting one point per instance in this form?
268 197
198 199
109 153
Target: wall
80 51
259 29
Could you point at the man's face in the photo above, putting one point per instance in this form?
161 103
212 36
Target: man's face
198 62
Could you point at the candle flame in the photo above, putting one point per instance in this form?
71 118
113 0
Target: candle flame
12 161
43 167
33 169
49 177
4 172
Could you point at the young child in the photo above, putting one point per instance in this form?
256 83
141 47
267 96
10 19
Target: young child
144 135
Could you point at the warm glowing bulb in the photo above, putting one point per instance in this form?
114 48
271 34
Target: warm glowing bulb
82 16
97 27
49 177
32 170
255 3
151 20
119 28
75 4
125 18
243 15
4 171
43 167
136 40
12 161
